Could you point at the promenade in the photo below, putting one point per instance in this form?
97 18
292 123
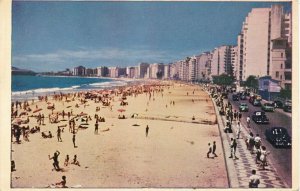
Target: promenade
239 170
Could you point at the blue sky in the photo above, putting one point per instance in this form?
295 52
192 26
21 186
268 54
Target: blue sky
52 36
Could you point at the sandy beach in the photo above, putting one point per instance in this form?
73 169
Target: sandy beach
120 155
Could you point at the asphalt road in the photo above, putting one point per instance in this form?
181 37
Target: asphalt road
280 158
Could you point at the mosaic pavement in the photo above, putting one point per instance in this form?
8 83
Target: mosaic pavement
246 162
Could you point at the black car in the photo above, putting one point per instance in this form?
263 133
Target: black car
260 117
235 97
278 137
243 96
277 104
287 107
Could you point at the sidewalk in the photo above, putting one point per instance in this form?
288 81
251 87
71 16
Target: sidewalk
239 170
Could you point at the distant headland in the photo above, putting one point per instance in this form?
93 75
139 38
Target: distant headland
18 71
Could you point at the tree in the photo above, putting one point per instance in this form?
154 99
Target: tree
252 82
223 79
286 93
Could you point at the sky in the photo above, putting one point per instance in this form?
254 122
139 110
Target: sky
53 36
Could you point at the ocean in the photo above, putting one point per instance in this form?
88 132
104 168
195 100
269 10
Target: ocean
29 87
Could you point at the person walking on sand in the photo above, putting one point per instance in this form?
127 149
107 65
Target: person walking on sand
55 160
58 134
96 127
214 149
209 150
74 139
147 130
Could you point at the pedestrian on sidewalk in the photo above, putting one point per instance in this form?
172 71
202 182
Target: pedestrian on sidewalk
248 121
238 130
240 116
257 141
214 149
254 180
233 146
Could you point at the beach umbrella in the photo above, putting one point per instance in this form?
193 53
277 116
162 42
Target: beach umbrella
82 114
17 121
121 110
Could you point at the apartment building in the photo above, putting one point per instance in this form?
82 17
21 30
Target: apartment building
264 45
79 71
142 69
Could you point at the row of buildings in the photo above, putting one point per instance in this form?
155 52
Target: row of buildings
263 48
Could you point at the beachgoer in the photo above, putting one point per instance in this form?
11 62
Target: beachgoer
209 150
96 127
62 184
75 161
254 180
74 139
147 130
214 148
55 160
59 134
66 160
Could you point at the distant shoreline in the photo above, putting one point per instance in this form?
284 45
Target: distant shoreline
34 93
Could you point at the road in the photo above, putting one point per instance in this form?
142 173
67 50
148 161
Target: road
280 158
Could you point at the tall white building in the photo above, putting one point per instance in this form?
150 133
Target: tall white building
257 55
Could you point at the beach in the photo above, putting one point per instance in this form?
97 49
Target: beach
181 121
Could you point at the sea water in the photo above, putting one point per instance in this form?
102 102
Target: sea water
29 87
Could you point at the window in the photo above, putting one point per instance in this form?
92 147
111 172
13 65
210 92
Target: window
277 74
281 55
281 77
280 66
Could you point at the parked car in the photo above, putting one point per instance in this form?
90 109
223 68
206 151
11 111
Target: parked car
256 103
243 107
235 97
260 117
268 107
287 108
277 104
278 137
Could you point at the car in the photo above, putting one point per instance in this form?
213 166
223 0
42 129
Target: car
278 137
243 107
267 107
287 108
277 104
243 97
235 97
256 103
260 117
